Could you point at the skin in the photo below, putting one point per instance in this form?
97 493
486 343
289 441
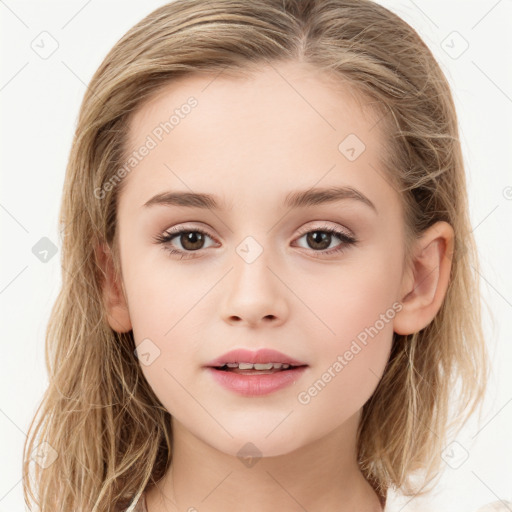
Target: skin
251 141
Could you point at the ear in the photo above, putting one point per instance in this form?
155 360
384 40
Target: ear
114 299
424 285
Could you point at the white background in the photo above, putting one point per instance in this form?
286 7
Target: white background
40 99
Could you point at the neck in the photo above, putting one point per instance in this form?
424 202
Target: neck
322 475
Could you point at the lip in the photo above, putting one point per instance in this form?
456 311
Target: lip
256 385
264 355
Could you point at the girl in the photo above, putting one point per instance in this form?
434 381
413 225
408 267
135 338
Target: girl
209 349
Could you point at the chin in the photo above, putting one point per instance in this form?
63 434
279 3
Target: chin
257 443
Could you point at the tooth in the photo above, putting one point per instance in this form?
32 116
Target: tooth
263 366
258 366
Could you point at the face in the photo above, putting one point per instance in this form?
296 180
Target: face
317 280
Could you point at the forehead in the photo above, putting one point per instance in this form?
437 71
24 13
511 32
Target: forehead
300 90
268 129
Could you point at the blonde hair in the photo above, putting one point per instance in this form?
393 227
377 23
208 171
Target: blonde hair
110 433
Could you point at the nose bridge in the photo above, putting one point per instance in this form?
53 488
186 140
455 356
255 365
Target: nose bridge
251 263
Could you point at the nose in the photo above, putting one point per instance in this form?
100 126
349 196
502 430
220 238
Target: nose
255 294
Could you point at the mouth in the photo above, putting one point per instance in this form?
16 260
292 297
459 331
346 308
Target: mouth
257 368
256 379
242 360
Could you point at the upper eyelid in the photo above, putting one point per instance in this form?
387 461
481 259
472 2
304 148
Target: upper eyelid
185 227
325 227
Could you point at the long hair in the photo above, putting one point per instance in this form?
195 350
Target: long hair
104 434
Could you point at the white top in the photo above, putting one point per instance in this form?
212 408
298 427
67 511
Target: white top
496 506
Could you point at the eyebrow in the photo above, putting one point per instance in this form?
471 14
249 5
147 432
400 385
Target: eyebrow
295 199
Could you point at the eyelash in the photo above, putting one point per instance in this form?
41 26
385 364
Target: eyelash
168 236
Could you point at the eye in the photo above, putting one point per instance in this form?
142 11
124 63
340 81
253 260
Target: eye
191 240
321 238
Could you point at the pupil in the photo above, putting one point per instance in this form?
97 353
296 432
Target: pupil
192 240
319 237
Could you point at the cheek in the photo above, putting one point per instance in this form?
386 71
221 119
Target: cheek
165 310
338 389
350 360
161 297
353 331
346 301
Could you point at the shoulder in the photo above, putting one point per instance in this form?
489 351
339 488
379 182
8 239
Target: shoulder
496 506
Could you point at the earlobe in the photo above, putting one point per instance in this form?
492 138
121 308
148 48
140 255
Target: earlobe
114 301
425 284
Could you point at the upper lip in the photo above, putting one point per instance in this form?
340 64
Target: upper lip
265 355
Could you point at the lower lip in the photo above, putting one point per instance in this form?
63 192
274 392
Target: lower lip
256 385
